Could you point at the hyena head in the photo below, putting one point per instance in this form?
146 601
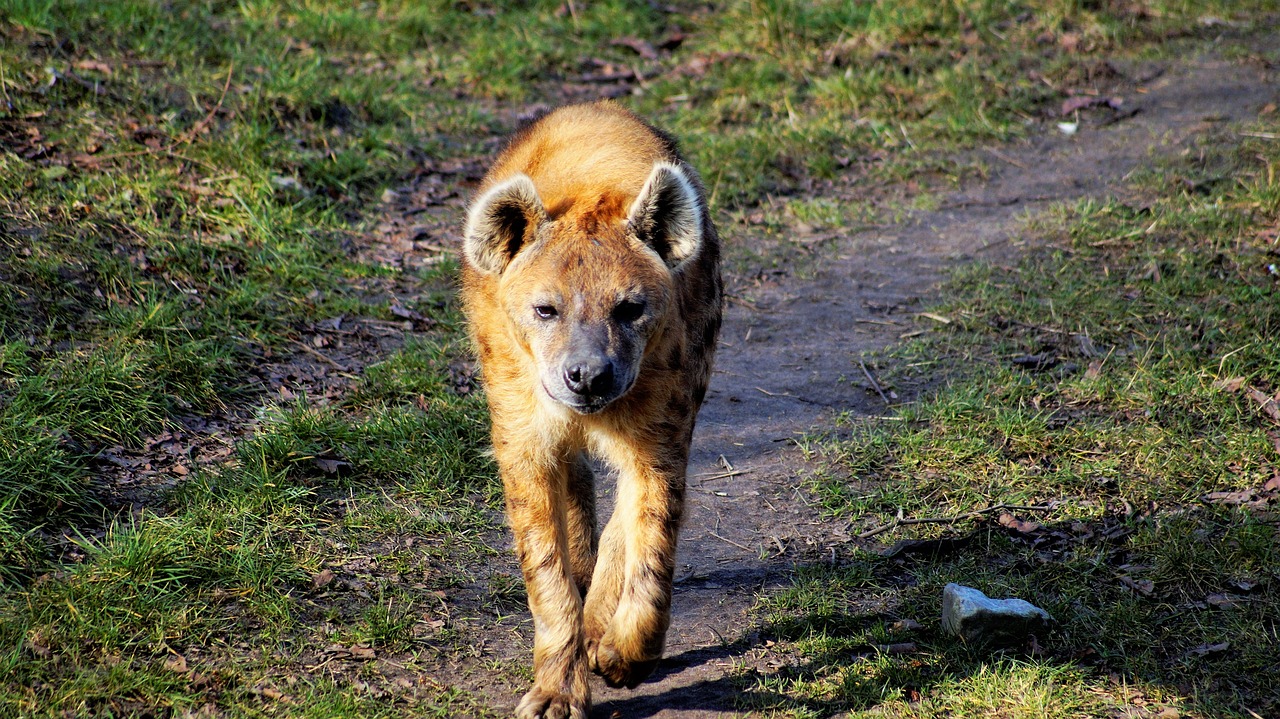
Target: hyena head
587 290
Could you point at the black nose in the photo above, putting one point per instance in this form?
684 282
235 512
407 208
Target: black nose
589 376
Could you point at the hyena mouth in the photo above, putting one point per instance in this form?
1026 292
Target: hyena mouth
586 405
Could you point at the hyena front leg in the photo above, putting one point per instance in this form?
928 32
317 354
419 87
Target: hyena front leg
581 522
606 585
536 485
643 530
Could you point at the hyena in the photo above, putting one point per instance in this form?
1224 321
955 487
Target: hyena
592 286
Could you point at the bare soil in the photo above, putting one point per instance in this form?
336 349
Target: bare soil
789 363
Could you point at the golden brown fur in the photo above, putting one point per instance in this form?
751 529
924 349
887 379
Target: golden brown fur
591 283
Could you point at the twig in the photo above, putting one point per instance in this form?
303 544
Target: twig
321 356
902 521
1008 159
730 541
189 135
724 475
788 395
872 380
1262 135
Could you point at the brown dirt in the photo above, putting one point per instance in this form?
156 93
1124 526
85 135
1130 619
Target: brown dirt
789 362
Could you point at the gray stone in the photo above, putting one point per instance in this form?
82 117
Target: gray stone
968 613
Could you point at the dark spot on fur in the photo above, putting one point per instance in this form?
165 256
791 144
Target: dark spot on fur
709 334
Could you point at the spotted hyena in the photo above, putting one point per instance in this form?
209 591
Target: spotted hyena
592 285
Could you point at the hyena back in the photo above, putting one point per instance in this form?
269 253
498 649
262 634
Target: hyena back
592 286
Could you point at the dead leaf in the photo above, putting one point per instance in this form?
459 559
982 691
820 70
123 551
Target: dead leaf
176 664
1094 370
1220 601
1205 650
905 625
95 65
1009 521
1142 586
1230 384
405 313
364 653
1267 109
36 644
181 470
329 466
1243 496
323 579
1270 405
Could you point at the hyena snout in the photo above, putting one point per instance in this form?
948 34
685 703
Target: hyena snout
589 376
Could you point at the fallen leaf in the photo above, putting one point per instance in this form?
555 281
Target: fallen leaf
1094 371
1142 586
1009 521
1220 601
405 314
330 466
905 625
365 653
1230 384
1270 405
1243 496
176 664
323 579
1205 650
95 65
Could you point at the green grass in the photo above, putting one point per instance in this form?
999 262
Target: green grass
1144 416
185 189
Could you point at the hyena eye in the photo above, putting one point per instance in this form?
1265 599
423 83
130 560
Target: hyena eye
628 311
545 312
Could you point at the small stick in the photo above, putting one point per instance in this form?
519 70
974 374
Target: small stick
320 355
872 380
724 475
902 521
199 126
730 541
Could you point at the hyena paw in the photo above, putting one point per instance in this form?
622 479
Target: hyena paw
617 671
542 704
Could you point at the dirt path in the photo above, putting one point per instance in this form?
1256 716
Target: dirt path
789 363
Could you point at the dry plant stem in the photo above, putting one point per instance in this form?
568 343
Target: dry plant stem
902 521
872 380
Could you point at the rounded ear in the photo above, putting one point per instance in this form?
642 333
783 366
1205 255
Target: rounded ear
667 214
501 221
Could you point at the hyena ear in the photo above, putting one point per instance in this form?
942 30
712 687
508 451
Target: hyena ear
501 221
667 214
